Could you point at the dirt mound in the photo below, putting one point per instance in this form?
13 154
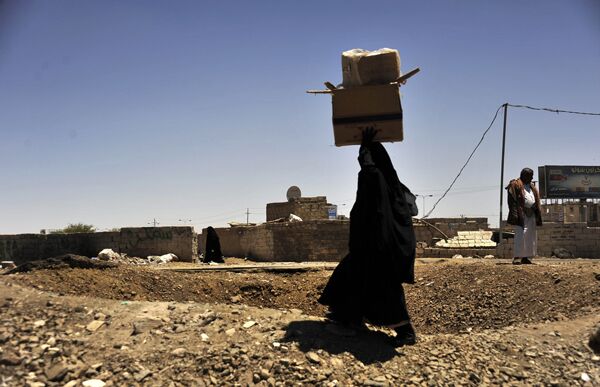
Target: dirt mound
62 262
448 297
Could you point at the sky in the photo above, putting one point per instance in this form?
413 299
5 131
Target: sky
122 113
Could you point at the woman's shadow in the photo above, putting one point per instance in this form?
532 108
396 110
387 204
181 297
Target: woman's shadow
366 345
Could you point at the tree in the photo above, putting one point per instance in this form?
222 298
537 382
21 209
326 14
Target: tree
75 228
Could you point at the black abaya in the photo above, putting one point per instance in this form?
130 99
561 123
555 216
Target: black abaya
213 247
367 284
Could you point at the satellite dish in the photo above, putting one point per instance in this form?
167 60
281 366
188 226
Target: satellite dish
293 193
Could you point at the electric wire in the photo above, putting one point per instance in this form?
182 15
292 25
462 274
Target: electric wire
465 164
553 110
557 111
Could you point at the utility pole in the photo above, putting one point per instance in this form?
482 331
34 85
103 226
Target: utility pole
154 222
247 216
502 173
424 196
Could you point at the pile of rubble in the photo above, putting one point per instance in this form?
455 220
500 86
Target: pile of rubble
469 239
112 256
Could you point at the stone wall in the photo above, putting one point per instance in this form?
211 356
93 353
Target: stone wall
139 242
313 240
309 208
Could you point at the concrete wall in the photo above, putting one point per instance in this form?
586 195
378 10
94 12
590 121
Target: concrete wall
141 242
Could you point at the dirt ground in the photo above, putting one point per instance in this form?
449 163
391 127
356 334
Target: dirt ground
450 296
479 322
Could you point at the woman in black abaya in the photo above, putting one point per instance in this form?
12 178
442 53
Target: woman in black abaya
367 284
213 247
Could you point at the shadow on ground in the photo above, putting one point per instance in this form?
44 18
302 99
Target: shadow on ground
366 345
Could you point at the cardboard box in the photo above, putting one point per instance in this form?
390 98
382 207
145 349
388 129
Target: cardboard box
357 108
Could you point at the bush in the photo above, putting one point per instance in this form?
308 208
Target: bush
75 228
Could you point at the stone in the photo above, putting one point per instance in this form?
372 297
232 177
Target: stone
143 374
204 336
56 372
72 383
585 377
10 359
93 383
39 323
230 332
146 324
179 352
562 253
337 363
313 357
249 324
236 299
94 325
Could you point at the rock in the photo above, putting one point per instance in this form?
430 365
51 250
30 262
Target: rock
585 377
10 359
313 357
72 383
236 299
39 323
94 325
204 336
146 324
143 374
249 324
457 256
100 316
179 352
230 332
93 383
489 256
562 253
337 363
56 372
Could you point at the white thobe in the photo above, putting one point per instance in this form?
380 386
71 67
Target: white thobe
526 236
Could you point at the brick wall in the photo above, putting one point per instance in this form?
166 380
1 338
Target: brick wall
309 208
139 242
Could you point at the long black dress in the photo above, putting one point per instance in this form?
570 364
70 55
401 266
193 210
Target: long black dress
213 247
367 284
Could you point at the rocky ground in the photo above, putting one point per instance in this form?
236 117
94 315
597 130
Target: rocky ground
479 322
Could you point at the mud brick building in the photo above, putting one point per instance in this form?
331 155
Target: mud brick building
307 208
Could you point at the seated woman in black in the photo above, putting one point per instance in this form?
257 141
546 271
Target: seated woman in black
213 247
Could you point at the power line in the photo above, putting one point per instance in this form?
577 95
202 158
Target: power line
466 162
487 130
553 110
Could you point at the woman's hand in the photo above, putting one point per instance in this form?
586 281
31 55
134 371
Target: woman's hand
368 134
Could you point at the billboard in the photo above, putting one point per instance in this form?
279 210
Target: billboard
569 182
